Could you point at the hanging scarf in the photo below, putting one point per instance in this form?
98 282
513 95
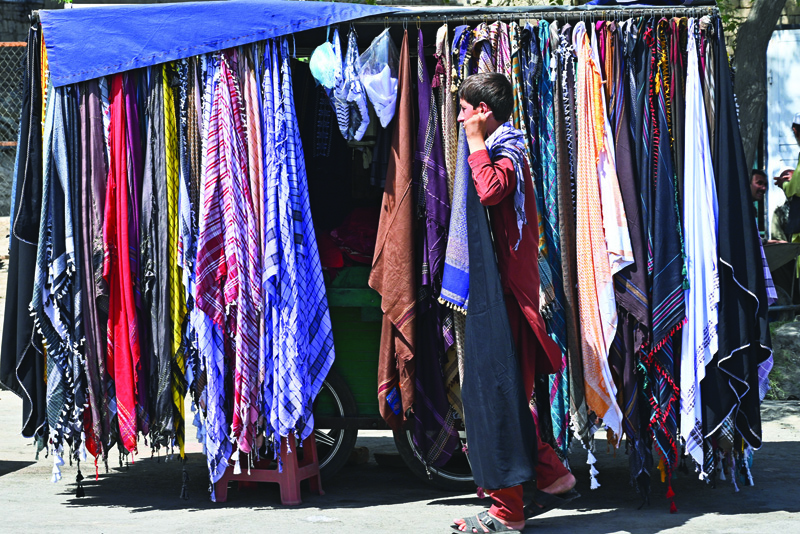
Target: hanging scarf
730 388
157 339
565 112
314 336
434 430
595 287
348 96
22 362
353 91
678 67
443 80
93 175
212 273
630 283
531 70
134 180
187 249
453 323
518 112
699 336
392 272
123 337
708 60
501 47
463 40
53 301
482 47
455 276
176 299
668 282
272 232
554 315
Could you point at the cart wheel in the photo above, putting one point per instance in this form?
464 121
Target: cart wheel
334 445
455 475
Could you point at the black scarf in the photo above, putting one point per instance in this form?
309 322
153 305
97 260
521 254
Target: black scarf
21 360
730 387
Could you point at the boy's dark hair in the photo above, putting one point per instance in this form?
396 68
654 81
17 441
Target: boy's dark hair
493 89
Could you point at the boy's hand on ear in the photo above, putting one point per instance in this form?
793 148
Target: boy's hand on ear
475 128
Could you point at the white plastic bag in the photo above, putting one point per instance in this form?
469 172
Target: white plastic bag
377 69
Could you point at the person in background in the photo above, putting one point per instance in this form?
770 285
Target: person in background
791 184
781 213
758 184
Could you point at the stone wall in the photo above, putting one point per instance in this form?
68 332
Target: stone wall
791 13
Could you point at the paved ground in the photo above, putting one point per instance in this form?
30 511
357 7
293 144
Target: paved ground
384 497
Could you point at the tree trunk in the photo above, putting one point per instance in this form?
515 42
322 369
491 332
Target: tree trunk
751 70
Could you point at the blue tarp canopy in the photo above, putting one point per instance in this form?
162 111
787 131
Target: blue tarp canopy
91 42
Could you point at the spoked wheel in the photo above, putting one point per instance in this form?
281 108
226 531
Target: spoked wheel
455 475
334 445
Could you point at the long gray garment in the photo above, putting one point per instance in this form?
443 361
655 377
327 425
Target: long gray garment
94 304
154 256
501 433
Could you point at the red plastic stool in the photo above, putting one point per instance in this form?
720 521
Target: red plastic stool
293 472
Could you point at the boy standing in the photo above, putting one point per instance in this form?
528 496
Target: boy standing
497 160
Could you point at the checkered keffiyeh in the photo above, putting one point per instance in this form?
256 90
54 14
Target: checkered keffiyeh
211 272
302 338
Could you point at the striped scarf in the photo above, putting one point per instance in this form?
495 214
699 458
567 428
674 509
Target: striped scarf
554 317
668 306
210 271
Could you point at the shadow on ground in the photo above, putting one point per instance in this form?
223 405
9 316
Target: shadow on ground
150 484
7 466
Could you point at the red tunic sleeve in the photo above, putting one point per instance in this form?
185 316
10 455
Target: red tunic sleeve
494 180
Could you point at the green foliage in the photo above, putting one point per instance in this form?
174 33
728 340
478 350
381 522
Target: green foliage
731 20
776 379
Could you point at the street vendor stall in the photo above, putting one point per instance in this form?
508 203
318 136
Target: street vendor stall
262 204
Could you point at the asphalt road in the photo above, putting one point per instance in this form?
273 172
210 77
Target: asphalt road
384 497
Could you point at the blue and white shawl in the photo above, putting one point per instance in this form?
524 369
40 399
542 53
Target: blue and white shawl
455 278
302 337
508 142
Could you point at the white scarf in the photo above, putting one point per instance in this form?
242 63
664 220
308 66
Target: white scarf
699 336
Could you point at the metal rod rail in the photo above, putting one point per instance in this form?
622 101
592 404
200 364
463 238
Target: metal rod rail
429 15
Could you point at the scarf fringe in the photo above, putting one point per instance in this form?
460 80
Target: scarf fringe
455 307
657 346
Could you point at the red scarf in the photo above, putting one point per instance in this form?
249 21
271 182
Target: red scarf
123 342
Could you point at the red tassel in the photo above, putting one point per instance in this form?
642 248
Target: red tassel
670 493
672 508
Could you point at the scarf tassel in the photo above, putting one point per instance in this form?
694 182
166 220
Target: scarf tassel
79 493
593 472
